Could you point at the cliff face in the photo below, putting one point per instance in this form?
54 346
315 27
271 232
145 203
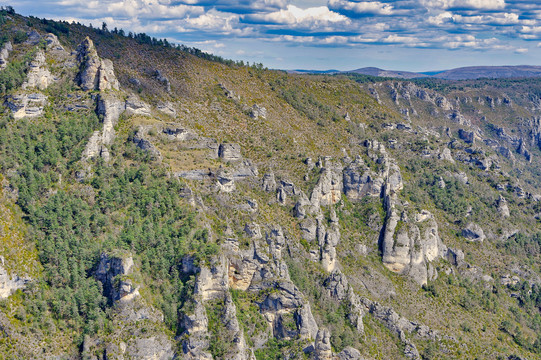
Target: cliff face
173 207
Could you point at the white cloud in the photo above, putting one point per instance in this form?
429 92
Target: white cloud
311 17
521 50
363 7
465 4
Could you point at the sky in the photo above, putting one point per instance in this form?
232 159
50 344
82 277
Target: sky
412 35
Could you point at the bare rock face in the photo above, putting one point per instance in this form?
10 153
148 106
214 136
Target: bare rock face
26 105
412 245
135 106
38 75
141 141
467 136
163 79
446 155
269 182
9 284
53 43
503 209
4 54
257 112
359 181
107 79
94 73
229 152
167 108
178 133
473 232
89 64
323 349
109 109
112 272
328 190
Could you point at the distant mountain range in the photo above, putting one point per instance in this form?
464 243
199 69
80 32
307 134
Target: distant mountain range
462 73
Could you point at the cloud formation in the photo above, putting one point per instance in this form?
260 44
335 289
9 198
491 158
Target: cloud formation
512 26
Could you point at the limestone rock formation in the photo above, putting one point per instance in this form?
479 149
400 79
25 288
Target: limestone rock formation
163 79
10 283
141 141
178 133
269 182
135 106
38 75
26 105
112 272
323 349
167 108
328 190
94 73
257 112
229 152
4 54
473 232
503 209
53 43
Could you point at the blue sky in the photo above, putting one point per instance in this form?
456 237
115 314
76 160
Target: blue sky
415 35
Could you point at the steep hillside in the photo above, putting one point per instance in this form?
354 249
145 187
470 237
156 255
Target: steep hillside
162 203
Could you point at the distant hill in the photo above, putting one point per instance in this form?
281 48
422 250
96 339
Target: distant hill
462 73
374 71
498 72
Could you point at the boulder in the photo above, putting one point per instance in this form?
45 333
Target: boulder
229 152
257 112
269 182
473 232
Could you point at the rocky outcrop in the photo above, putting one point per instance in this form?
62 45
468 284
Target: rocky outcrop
338 288
323 349
163 79
167 108
328 190
269 182
113 272
473 232
94 73
52 43
10 283
360 181
38 75
4 55
229 93
135 106
257 112
502 207
467 136
446 155
413 245
229 152
141 141
26 105
178 133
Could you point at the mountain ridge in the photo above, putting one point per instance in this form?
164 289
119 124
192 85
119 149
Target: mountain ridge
174 204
